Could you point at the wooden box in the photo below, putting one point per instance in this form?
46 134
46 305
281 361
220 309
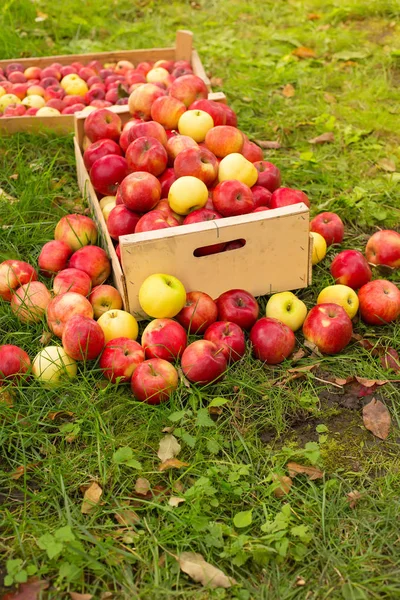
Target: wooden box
63 124
275 258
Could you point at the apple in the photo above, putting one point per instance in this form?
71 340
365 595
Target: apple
99 149
94 261
53 364
212 108
33 73
54 103
166 179
54 257
101 124
47 111
82 338
120 358
188 88
195 124
146 154
203 362
350 268
14 362
165 208
117 323
64 306
198 216
329 327
7 100
319 248
198 313
261 196
71 110
236 166
121 221
106 200
35 90
142 98
107 173
162 296
342 295
107 209
156 219
287 308
260 209
33 101
70 101
76 231
167 110
238 306
286 197
104 298
383 248
14 273
29 302
252 152
164 338
330 226
177 143
232 198
186 194
140 191
151 129
197 162
76 87
55 92
223 140
157 74
272 341
229 337
15 110
269 176
72 280
166 64
154 381
379 302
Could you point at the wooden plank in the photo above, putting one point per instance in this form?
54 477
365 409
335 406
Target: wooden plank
184 45
197 66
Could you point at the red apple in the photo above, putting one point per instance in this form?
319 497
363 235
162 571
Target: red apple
132 77
65 306
350 268
104 298
165 208
48 81
212 108
229 337
120 358
76 231
224 140
51 72
151 129
101 124
166 179
33 73
121 221
167 110
146 154
154 381
188 88
54 257
330 226
72 280
203 362
71 100
287 197
269 176
177 143
197 216
17 77
261 196
164 338
30 301
232 198
107 173
98 150
54 92
231 118
272 341
14 362
93 261
15 110
197 162
199 312
14 273
54 103
82 338
238 306
142 98
140 191
155 219
379 302
329 327
383 248
253 153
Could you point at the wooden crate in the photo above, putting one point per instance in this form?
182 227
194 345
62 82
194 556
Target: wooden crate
183 50
276 256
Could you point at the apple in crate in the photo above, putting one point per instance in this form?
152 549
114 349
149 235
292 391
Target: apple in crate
121 221
107 173
261 196
212 108
195 124
162 296
156 219
238 306
188 88
164 338
223 140
236 166
102 123
118 323
177 143
198 313
82 338
165 208
148 129
343 295
351 268
201 215
140 191
166 179
146 154
98 150
142 98
232 198
229 337
269 176
383 248
63 307
187 194
379 302
72 280
318 249
197 162
94 261
288 196
330 226
14 362
329 327
104 298
76 231
158 75
287 308
53 364
120 358
203 362
154 381
29 302
272 341
14 273
54 257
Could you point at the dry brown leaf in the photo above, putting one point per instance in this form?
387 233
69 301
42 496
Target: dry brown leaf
311 472
31 590
304 52
296 373
313 347
45 338
5 196
300 581
127 517
19 471
353 497
217 81
172 463
41 16
175 501
386 164
169 447
178 486
313 16
91 497
370 382
330 98
6 398
59 413
324 27
298 355
288 91
167 430
77 596
376 418
269 145
194 565
142 486
285 483
324 138
183 379
14 176
390 360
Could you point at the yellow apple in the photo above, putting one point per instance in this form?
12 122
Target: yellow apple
65 81
157 75
289 309
187 194
52 364
77 87
2 91
118 323
236 166
319 247
34 101
88 109
195 124
340 294
162 296
107 209
47 111
106 200
8 99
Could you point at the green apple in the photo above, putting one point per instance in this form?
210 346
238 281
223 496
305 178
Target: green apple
162 296
53 363
319 247
236 166
340 294
186 194
288 309
195 124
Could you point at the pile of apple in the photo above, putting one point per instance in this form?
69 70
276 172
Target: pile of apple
67 89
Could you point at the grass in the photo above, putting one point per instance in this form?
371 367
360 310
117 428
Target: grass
320 547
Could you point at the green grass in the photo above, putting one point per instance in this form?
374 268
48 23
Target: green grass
339 552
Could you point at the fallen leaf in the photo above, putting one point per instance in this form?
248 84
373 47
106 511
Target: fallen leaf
324 138
172 463
127 517
169 447
304 52
19 471
91 497
270 145
40 16
390 360
296 373
300 581
45 338
31 590
285 483
324 27
5 196
14 176
58 413
353 497
376 418
183 379
288 91
386 164
370 382
311 472
76 596
142 486
194 565
313 16
6 398
298 355
313 347
175 501
167 430
330 98
217 81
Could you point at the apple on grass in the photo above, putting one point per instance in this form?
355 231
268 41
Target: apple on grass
164 338
76 231
272 341
118 323
101 124
288 196
329 327
223 140
72 280
236 166
203 362
29 302
13 274
52 364
351 268
104 298
107 173
340 294
82 338
319 248
287 308
383 248
197 162
94 261
379 302
54 257
140 191
232 198
14 362
154 381
238 306
63 307
120 358
187 194
199 312
330 226
229 337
